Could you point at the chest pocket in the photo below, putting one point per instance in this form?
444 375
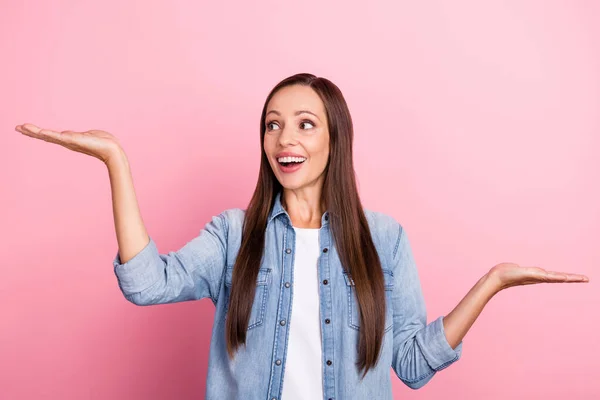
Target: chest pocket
261 295
353 309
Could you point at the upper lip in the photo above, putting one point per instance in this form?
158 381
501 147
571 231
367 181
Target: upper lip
288 154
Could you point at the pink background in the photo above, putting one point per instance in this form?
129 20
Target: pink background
477 127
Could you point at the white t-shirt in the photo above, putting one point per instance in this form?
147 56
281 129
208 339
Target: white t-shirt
303 374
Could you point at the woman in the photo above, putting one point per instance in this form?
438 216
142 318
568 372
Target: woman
315 296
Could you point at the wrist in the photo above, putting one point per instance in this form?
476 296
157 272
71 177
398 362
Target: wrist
115 157
491 281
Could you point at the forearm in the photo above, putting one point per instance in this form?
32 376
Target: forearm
458 322
131 233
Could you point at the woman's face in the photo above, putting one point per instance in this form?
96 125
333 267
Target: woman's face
296 138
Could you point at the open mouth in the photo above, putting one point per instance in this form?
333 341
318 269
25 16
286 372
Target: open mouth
290 161
289 164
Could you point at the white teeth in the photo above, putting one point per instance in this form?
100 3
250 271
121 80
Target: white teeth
291 159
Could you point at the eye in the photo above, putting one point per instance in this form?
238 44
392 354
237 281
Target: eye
268 124
306 121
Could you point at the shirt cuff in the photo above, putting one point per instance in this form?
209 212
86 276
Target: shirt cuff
436 348
141 271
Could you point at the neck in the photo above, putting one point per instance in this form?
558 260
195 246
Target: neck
304 206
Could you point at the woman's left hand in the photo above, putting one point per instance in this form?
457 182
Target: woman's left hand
508 274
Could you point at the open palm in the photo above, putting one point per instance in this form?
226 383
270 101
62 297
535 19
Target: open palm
96 143
509 274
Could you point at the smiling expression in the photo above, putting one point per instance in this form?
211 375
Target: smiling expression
296 139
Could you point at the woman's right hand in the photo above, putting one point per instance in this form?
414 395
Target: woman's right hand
96 143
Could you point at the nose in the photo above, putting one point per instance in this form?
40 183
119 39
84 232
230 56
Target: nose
287 136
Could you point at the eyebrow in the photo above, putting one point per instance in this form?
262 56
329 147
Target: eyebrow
296 113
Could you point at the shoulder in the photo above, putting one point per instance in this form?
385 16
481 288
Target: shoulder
233 216
232 221
382 224
385 231
228 228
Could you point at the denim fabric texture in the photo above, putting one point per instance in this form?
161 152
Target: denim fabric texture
203 267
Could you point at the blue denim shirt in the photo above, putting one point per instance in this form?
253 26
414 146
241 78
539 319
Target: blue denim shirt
203 268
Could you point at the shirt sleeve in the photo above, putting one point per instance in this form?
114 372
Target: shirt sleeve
420 349
191 273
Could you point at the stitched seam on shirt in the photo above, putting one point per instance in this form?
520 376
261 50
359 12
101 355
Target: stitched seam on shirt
226 229
447 363
425 375
397 241
276 333
440 367
147 287
286 333
263 300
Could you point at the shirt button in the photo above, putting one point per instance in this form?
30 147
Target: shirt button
325 282
288 251
282 322
325 250
327 321
287 284
328 362
278 362
326 219
274 398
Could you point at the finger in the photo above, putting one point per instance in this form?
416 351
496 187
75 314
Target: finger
21 128
541 274
555 276
577 278
31 128
45 134
39 131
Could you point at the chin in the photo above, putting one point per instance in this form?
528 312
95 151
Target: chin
292 184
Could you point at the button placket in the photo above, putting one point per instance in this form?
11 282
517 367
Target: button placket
326 309
283 312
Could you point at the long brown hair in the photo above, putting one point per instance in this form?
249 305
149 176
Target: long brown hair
348 224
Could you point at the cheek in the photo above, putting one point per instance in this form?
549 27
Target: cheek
323 148
320 152
269 144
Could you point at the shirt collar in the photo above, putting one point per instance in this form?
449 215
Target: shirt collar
278 209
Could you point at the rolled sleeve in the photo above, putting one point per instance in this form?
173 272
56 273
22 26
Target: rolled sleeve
435 347
420 349
191 273
141 271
